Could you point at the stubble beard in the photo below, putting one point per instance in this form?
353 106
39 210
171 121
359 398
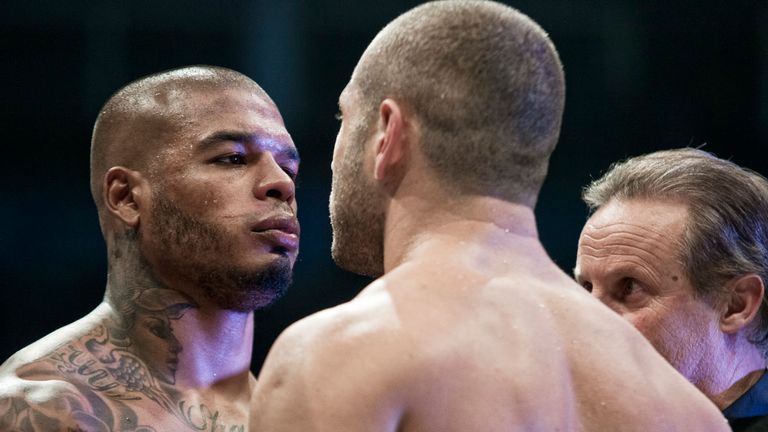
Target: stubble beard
357 218
199 250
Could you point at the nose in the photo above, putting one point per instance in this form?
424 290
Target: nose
174 346
273 181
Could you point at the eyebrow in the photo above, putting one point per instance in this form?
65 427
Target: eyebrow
275 145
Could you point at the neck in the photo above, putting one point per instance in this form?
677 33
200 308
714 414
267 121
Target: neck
217 347
183 342
746 367
414 223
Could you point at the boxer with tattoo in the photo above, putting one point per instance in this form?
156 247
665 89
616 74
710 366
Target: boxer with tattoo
192 172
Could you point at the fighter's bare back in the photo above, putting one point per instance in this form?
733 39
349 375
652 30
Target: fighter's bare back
461 337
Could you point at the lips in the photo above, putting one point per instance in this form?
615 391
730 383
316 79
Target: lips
288 225
282 232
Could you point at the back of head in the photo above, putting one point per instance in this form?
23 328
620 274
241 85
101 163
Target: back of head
136 120
726 234
486 86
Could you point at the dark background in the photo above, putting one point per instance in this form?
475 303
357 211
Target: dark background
642 76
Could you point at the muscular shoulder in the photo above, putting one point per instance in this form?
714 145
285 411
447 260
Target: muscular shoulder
57 383
368 325
340 368
633 378
37 395
40 405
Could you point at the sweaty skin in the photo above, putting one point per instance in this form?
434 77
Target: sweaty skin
81 378
475 330
169 349
470 326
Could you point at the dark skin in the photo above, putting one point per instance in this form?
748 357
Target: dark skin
191 235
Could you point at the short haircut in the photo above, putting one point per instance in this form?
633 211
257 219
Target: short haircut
144 110
726 234
487 86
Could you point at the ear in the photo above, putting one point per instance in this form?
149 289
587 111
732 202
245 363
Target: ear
745 295
124 194
391 144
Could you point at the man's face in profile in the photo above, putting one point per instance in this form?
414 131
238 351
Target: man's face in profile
223 215
356 211
628 257
157 345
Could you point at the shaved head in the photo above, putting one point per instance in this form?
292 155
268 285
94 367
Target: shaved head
135 122
177 162
486 85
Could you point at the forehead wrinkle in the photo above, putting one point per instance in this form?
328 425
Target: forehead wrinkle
603 255
609 265
619 225
624 244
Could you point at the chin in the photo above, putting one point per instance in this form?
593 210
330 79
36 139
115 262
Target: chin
248 289
265 258
357 260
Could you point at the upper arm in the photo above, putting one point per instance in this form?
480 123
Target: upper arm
329 375
44 406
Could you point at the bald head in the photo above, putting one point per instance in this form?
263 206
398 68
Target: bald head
485 83
136 121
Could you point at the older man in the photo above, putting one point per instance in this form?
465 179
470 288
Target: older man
447 125
192 172
678 245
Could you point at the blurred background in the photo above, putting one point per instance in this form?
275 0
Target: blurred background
641 76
